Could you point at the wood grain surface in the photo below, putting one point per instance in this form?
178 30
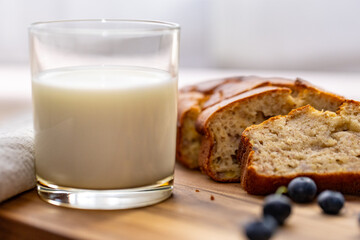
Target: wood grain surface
188 214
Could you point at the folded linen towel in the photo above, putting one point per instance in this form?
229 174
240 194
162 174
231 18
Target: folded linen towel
17 172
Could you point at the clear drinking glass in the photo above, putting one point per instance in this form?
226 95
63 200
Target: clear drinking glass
104 98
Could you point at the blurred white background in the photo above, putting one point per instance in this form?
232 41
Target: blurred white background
239 34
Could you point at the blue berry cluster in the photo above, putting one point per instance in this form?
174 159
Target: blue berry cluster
277 207
303 190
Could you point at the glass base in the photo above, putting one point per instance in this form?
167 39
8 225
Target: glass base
105 199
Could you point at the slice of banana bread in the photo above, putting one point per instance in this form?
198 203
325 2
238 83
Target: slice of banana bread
324 146
195 98
222 124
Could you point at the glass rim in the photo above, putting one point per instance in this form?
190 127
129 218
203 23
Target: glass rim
154 26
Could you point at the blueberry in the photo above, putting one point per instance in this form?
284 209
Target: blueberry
277 206
331 202
302 189
261 230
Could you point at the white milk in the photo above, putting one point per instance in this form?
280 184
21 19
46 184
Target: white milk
104 127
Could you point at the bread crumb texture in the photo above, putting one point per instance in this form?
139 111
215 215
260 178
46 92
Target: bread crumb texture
307 141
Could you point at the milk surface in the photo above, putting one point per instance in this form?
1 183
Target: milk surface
104 127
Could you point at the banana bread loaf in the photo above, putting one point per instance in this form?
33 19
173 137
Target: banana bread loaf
221 125
324 146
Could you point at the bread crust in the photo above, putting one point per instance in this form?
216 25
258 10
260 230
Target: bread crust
259 184
235 86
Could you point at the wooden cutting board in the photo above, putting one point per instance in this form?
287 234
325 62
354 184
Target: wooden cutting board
199 209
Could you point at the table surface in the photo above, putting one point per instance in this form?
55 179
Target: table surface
199 208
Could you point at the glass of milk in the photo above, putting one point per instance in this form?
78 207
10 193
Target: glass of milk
104 99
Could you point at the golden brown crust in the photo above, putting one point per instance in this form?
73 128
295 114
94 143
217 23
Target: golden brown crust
235 86
259 184
232 88
256 184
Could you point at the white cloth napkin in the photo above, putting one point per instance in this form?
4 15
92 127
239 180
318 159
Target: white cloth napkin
17 172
